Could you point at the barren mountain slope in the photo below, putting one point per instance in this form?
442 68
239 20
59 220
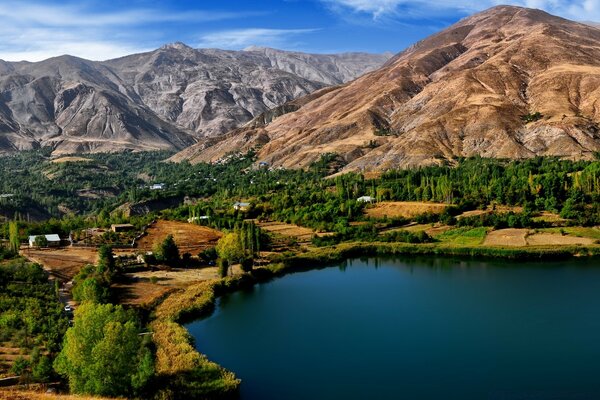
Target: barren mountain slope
162 99
462 92
76 105
212 91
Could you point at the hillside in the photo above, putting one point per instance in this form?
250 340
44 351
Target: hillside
164 99
509 82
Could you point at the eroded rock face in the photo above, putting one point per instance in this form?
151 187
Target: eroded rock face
472 89
165 99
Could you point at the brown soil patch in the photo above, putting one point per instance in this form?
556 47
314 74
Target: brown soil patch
139 292
522 237
544 239
63 263
70 159
506 237
300 233
177 277
190 238
404 209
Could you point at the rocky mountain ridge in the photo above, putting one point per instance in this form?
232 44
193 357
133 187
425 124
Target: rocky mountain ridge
164 99
509 82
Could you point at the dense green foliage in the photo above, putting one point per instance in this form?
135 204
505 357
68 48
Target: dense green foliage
167 252
92 283
302 197
103 353
31 316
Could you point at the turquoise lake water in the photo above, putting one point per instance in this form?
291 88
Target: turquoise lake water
414 328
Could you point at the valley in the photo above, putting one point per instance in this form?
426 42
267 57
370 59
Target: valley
143 197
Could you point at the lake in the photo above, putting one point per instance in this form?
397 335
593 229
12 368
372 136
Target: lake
414 328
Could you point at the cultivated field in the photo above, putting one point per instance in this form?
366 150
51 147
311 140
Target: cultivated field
290 230
507 237
190 238
137 292
404 209
63 263
526 237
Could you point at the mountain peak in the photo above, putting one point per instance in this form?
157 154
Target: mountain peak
176 46
509 82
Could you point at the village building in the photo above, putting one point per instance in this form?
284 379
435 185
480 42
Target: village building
157 186
365 199
117 228
239 206
52 240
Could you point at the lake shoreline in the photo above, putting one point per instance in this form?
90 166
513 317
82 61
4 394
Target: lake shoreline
198 301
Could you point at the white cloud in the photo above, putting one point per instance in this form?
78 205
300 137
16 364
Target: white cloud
406 9
240 38
34 31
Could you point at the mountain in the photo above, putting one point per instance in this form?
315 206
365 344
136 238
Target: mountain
509 82
210 91
164 99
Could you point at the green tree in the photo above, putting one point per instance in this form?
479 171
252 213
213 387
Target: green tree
103 353
90 289
41 241
168 252
13 236
230 248
106 262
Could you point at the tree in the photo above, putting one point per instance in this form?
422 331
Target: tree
103 353
13 236
106 261
41 241
168 252
91 290
229 247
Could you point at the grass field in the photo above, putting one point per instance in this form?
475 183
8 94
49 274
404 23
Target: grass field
404 209
463 236
592 233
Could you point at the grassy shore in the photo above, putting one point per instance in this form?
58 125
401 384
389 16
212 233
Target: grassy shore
185 372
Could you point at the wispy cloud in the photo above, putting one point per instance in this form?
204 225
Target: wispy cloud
36 31
409 9
241 38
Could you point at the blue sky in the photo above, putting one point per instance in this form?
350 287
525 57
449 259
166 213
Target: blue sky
98 30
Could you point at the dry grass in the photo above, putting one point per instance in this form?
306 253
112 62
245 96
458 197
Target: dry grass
547 239
63 263
190 238
549 217
10 394
507 237
301 234
404 209
579 231
195 296
62 160
139 293
526 237
178 277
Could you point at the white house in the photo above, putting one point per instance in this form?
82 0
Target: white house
240 206
157 186
200 218
52 239
365 199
